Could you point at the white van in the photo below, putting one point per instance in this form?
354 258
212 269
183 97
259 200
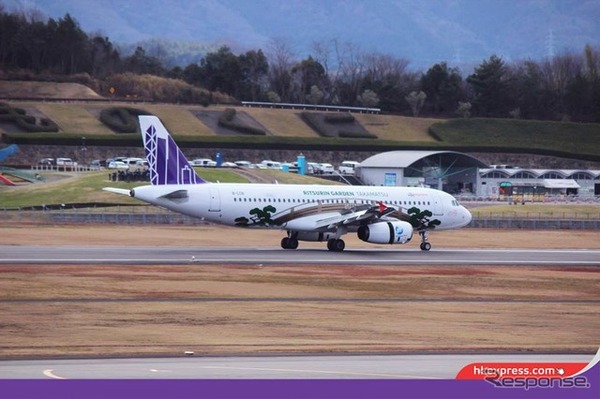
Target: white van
205 162
65 162
348 167
268 164
131 162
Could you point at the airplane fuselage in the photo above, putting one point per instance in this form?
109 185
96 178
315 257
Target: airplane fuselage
270 205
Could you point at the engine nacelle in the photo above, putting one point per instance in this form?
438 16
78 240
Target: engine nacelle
386 232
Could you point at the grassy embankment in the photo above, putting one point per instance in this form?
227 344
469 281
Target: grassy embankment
66 188
286 130
69 188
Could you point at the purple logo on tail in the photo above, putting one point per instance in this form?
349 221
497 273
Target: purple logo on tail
166 162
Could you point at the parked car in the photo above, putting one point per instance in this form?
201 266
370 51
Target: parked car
348 167
309 167
203 162
268 164
135 163
96 164
244 164
118 165
325 169
65 162
313 168
132 161
46 161
290 167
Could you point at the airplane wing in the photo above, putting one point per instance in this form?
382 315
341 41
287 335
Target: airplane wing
333 219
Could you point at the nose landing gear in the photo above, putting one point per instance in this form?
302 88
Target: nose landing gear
425 244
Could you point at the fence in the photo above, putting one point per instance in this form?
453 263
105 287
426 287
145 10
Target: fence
536 224
149 215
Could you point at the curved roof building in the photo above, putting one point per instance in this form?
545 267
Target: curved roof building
451 171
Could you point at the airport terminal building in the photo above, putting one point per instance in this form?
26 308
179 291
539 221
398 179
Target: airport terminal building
462 174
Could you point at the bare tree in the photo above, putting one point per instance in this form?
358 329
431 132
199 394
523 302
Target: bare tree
281 58
558 72
348 82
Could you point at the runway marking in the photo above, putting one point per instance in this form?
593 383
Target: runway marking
351 373
266 263
50 374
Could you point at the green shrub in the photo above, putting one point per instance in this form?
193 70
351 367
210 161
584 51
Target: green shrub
351 134
228 115
339 118
335 125
227 120
122 119
19 117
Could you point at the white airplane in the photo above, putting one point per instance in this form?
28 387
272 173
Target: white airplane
379 215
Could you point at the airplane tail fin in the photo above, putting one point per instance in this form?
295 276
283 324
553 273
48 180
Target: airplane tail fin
166 162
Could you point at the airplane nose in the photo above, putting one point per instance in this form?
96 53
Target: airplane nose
467 216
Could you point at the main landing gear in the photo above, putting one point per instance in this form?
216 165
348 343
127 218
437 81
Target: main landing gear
333 244
289 243
336 244
425 245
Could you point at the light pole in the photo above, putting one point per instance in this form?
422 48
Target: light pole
83 150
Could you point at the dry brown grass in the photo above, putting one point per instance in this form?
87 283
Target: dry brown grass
92 310
14 88
117 310
281 122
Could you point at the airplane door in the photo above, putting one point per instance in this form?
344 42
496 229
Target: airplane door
215 200
438 205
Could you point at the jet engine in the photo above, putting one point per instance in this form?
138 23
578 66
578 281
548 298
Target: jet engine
397 232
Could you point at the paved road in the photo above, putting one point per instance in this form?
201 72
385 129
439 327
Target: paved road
180 255
435 366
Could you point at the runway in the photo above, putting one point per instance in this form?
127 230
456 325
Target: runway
227 255
434 366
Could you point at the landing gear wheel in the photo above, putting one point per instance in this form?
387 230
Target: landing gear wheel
292 243
336 245
425 246
289 243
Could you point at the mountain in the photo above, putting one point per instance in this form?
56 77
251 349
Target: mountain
461 32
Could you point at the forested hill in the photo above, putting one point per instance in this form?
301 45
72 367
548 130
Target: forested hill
565 87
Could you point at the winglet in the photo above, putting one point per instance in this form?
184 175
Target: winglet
166 162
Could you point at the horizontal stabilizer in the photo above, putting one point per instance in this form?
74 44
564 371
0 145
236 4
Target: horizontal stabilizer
122 191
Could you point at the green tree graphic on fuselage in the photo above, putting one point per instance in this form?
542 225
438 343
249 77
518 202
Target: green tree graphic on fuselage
263 216
420 220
